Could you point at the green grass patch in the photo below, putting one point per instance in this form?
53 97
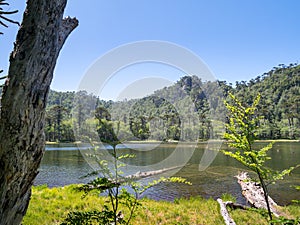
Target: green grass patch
51 206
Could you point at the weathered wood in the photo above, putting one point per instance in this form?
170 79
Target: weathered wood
39 41
253 192
233 205
227 219
139 174
136 176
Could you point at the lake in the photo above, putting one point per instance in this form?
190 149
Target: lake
65 164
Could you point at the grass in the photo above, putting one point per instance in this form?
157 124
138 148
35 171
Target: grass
51 205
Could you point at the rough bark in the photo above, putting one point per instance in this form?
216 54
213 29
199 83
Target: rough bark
41 36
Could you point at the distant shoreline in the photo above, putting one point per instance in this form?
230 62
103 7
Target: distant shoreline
278 140
175 142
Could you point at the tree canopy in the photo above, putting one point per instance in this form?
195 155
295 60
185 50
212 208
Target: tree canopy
157 117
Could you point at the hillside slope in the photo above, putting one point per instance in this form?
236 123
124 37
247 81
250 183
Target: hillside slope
187 110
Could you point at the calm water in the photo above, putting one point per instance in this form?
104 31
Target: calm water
65 164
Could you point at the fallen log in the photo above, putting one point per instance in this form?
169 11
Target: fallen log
111 183
139 174
233 205
226 217
254 194
225 214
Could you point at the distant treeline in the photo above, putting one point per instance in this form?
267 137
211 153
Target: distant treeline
188 110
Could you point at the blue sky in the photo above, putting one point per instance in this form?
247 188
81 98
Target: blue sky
238 40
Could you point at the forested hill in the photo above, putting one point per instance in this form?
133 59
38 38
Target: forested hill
159 116
280 102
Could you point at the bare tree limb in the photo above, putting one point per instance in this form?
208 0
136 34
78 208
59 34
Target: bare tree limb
227 219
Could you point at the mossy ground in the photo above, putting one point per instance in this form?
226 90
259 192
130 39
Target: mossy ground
51 205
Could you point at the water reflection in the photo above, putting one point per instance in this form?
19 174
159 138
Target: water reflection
60 167
64 165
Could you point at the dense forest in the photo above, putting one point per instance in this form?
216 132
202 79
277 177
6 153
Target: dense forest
188 110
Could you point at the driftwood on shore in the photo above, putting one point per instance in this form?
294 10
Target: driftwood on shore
254 194
227 219
225 214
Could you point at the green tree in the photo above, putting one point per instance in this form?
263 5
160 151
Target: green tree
241 133
54 117
112 181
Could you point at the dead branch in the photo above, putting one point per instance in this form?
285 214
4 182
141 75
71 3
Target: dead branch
227 219
253 192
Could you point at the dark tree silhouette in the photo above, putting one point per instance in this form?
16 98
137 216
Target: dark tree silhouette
41 36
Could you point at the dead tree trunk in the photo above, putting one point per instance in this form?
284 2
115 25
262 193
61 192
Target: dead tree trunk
255 195
41 36
226 217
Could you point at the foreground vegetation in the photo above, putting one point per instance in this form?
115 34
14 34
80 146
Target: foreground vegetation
241 132
51 206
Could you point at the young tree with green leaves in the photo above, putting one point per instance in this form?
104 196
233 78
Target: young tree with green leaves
123 192
241 132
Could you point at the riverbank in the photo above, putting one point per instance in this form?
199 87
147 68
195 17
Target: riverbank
51 205
175 142
279 140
